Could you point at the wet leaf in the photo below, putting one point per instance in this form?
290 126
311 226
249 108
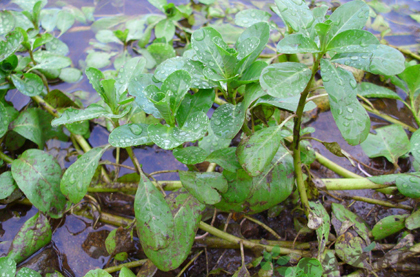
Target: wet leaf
136 88
56 46
165 29
186 211
77 178
127 73
390 142
409 184
350 249
98 59
415 145
205 186
178 84
70 75
211 142
286 79
370 90
26 272
8 267
297 15
35 125
12 43
297 43
4 120
125 272
377 59
161 52
330 264
351 15
344 215
49 61
28 5
288 104
30 85
257 151
155 223
93 111
163 136
323 231
226 158
388 225
349 115
201 101
411 76
227 120
7 185
49 19
38 175
248 17
7 23
98 273
65 19
32 236
55 274
129 135
352 41
413 221
190 155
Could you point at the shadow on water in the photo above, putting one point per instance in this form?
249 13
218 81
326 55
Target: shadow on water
78 247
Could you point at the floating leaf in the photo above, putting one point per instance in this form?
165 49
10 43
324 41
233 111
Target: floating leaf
285 79
33 235
205 186
7 185
297 43
77 178
227 120
390 142
388 225
351 118
155 222
190 155
249 17
98 59
70 75
30 85
38 175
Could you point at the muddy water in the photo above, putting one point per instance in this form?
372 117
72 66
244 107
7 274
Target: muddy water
78 246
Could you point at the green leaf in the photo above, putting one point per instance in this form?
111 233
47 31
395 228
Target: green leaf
38 175
257 151
201 101
413 221
12 43
227 120
165 29
349 248
125 272
4 120
390 142
226 158
343 215
349 115
98 59
252 73
177 84
352 41
205 186
415 145
297 43
163 136
288 104
155 223
25 272
50 61
65 19
45 38
158 4
370 90
285 79
409 184
297 15
212 142
186 212
129 135
161 52
411 76
136 88
190 155
127 73
351 15
323 231
31 85
7 185
8 266
388 225
98 273
7 23
49 19
35 125
377 59
309 267
70 75
56 46
93 111
77 178
107 36
249 17
33 235
28 5
95 76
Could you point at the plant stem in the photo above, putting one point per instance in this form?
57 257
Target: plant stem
263 225
5 158
389 118
134 159
128 265
336 168
296 140
376 202
350 184
215 242
211 167
248 244
189 263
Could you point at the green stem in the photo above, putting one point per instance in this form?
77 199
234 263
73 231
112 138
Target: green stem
389 118
128 265
377 202
5 158
336 168
350 184
296 140
134 159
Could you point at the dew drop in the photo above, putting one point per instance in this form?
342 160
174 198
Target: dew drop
135 129
199 35
353 83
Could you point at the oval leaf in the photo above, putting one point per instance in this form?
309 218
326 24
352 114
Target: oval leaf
129 135
190 155
227 120
388 226
30 85
297 43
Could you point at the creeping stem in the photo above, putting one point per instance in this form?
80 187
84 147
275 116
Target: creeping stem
296 139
